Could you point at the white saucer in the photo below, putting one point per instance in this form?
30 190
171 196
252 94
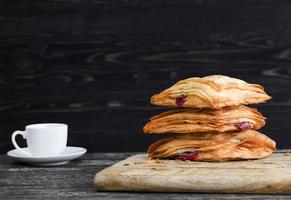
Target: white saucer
69 153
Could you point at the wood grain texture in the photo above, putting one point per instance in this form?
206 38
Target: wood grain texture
94 64
75 181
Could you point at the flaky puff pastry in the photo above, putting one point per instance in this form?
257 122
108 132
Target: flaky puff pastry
190 120
214 91
220 147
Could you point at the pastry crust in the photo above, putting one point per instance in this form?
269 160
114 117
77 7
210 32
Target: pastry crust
214 147
214 91
189 120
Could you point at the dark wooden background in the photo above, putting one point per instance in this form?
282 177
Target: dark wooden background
94 64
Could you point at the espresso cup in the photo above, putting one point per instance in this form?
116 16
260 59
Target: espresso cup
43 139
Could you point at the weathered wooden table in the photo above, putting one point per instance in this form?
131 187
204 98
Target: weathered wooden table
74 181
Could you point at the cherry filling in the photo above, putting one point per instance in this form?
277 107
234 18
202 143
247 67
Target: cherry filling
242 126
180 100
188 155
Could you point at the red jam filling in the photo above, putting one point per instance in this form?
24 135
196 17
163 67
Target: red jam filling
188 155
180 100
242 126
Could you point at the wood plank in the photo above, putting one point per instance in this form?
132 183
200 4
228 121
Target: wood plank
136 173
94 64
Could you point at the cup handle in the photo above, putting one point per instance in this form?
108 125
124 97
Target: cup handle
23 133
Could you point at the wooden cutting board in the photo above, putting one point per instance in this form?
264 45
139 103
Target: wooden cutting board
136 173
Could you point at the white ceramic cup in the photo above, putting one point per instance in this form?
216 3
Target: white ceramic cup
43 139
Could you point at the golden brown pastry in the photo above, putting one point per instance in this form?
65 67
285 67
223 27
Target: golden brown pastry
214 91
190 120
214 147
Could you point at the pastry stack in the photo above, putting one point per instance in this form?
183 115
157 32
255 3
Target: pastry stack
210 121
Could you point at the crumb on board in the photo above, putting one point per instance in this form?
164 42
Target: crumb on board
138 162
142 162
146 161
287 154
125 164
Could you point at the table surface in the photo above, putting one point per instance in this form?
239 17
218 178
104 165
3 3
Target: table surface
75 181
